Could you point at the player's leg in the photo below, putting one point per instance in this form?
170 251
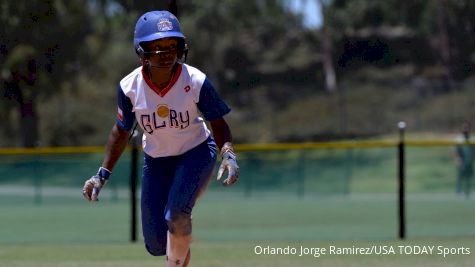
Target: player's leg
469 186
156 182
187 259
191 178
468 182
458 185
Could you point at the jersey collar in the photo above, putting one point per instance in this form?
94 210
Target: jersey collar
165 90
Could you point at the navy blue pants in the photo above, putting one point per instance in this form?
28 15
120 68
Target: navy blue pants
170 187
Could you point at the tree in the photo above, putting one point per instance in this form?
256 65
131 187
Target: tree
444 25
39 44
327 51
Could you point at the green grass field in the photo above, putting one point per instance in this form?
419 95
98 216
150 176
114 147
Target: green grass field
313 199
227 227
228 254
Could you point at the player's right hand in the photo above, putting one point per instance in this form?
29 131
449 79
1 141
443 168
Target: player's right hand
93 185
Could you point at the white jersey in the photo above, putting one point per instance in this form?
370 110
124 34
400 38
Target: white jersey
172 119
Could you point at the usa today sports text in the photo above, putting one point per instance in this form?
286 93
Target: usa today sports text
316 252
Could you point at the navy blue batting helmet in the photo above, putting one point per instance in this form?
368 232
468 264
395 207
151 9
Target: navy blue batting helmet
155 25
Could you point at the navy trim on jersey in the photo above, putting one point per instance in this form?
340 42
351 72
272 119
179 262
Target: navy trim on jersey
127 118
210 104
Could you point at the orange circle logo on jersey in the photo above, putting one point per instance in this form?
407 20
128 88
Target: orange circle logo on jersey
163 111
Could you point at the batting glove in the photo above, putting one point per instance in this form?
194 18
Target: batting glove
93 186
229 164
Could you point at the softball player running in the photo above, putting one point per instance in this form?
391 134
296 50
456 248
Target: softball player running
170 101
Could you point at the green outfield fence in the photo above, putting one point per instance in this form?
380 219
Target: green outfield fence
301 191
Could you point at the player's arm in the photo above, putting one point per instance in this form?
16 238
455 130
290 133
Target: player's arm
213 109
116 143
223 137
221 132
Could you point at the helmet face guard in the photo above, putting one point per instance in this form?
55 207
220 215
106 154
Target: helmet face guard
156 25
181 51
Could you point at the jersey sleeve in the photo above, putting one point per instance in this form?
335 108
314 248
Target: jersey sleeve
125 115
210 104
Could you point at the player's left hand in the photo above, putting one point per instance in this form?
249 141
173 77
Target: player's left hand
229 164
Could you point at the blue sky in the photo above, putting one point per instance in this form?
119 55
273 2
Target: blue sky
310 10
